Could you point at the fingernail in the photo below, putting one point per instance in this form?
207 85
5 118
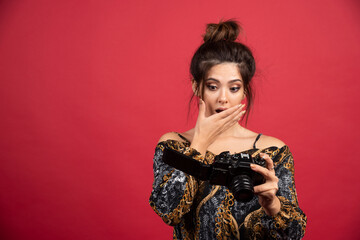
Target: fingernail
252 165
239 106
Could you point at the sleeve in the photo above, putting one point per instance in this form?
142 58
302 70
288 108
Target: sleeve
290 222
173 191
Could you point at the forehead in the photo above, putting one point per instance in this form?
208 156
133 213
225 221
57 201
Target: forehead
224 72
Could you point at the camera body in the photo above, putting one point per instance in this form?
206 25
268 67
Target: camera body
230 170
234 172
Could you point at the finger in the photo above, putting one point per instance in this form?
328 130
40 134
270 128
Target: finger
230 111
268 160
269 186
202 108
233 118
269 175
239 115
228 122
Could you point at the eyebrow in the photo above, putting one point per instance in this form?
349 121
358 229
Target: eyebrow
231 81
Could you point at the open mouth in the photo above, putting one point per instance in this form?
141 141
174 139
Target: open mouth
220 110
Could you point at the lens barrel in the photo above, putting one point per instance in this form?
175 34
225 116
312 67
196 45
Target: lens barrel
242 187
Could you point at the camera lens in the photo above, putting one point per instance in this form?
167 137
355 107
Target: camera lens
242 187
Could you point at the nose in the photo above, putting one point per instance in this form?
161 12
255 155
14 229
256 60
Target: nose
223 97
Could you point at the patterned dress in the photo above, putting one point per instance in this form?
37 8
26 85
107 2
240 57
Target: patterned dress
199 210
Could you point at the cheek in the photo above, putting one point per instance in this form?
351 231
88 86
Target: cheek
210 102
237 98
209 98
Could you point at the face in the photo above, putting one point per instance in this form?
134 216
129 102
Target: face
223 88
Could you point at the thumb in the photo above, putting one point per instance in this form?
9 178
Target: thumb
202 108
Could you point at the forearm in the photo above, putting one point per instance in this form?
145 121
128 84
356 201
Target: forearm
173 191
173 197
280 217
199 144
288 223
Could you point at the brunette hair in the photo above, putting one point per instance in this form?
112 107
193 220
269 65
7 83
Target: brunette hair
220 46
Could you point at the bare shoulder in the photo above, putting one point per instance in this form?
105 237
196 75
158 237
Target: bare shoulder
268 141
170 136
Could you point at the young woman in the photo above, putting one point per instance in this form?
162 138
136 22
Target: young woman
222 69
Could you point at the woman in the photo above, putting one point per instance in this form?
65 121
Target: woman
222 70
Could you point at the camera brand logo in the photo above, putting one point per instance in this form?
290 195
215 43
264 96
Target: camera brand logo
245 155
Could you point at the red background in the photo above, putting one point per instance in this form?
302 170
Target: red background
88 87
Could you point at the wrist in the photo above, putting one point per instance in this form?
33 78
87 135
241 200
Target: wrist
199 144
272 207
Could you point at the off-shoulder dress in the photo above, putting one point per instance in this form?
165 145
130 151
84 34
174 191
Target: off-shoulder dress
199 210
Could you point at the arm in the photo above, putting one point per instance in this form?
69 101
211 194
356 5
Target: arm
290 221
173 191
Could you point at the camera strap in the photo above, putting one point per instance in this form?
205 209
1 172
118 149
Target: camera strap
256 153
186 164
193 167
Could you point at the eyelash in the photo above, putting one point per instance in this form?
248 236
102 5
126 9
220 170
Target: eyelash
211 87
236 89
233 89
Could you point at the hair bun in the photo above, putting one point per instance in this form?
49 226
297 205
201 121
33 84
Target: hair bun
228 31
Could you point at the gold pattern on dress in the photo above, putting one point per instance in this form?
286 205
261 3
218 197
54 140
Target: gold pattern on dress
223 220
166 178
176 215
288 210
226 226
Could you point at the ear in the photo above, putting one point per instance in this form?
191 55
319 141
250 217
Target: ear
194 87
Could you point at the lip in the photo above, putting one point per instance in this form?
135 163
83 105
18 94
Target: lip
218 110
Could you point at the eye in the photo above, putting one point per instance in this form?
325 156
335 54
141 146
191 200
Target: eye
212 87
235 89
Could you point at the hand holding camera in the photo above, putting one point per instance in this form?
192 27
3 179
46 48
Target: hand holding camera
267 191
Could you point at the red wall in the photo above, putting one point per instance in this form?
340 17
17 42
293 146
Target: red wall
88 87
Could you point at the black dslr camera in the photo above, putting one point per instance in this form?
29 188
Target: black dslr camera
232 171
